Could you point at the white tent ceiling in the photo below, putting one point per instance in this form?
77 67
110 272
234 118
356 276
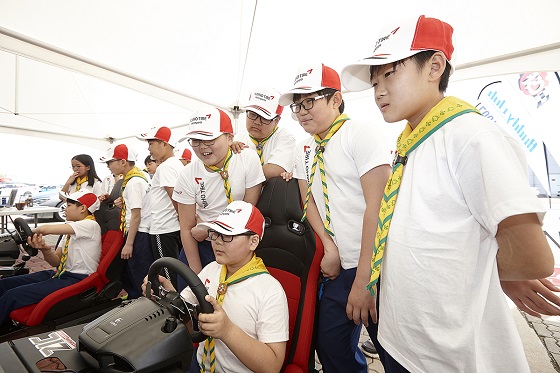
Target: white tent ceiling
91 72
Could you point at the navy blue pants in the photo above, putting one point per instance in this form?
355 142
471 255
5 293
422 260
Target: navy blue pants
138 265
167 244
338 336
21 291
206 256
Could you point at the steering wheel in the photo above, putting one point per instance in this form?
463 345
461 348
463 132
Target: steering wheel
22 232
193 281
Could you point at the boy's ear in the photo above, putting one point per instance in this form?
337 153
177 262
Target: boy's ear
254 239
337 99
437 66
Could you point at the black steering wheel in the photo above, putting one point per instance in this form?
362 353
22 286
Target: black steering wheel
22 232
192 280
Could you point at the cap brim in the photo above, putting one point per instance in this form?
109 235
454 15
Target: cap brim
201 136
288 97
260 111
355 77
221 228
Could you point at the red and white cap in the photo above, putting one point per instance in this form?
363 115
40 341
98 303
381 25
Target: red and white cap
159 133
311 78
186 154
208 124
264 101
120 151
237 218
398 42
85 197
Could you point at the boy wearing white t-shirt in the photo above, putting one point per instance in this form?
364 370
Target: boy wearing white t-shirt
137 249
249 327
274 145
458 215
209 183
75 260
341 171
164 223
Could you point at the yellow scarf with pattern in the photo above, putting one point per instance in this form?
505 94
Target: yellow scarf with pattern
445 111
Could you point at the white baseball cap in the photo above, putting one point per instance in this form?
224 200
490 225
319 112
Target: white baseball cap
159 133
398 42
237 218
208 124
311 78
120 151
85 197
264 101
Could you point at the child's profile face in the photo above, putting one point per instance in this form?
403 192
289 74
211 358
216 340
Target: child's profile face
156 148
214 154
151 166
401 91
73 210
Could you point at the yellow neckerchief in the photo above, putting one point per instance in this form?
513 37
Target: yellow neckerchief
224 174
80 181
62 265
134 172
319 150
260 144
445 111
253 268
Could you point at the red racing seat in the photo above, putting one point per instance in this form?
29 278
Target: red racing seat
83 299
292 253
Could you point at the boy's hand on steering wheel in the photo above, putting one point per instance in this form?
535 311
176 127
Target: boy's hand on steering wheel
38 242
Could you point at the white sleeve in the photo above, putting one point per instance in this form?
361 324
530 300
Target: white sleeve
168 177
491 173
135 192
88 229
369 147
254 174
185 191
284 151
299 164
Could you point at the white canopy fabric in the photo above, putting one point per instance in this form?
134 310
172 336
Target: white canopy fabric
103 71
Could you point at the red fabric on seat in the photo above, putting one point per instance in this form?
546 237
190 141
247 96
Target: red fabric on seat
34 314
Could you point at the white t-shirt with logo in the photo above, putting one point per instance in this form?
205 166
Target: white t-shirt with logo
84 248
164 215
257 305
442 308
197 185
278 149
355 149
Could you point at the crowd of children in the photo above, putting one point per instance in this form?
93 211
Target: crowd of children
419 249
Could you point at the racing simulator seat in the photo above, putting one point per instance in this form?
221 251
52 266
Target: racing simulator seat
78 303
144 335
292 254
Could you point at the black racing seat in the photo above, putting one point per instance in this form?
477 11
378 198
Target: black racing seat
292 253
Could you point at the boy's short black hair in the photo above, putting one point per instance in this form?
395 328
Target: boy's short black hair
327 91
148 160
73 202
420 59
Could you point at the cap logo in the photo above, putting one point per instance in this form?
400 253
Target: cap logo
299 77
199 120
231 211
263 97
383 38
